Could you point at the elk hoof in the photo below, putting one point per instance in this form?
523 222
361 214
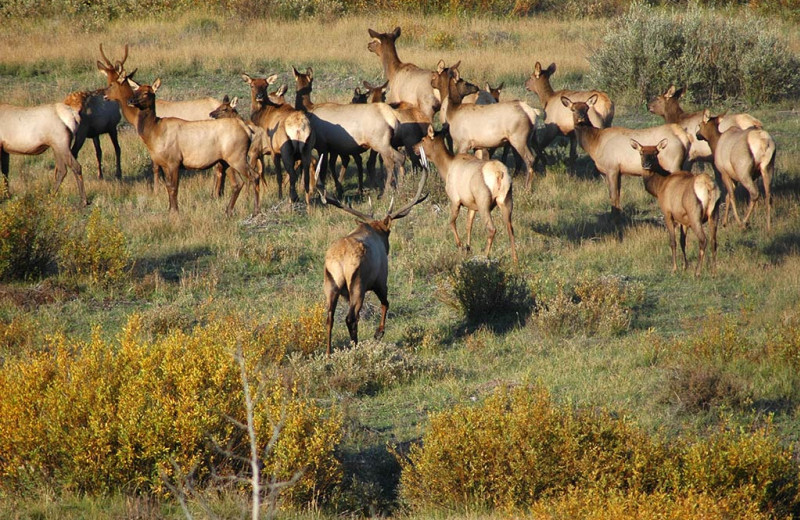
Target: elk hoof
379 334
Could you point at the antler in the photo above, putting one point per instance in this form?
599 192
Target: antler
419 197
121 62
105 58
326 199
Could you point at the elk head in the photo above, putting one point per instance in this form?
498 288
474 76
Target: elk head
649 154
112 70
226 110
709 126
666 102
495 91
380 40
144 96
540 78
580 109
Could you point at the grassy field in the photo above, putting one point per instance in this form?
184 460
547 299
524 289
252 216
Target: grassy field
198 263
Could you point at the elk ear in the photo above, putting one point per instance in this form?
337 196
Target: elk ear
592 100
706 115
373 33
501 85
679 92
551 69
440 66
396 33
635 145
537 70
133 84
272 79
295 72
670 91
282 90
234 102
156 85
100 66
247 79
431 132
567 102
386 84
310 73
356 91
663 144
226 99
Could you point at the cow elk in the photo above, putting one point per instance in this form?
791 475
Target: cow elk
487 126
407 82
558 120
289 132
667 106
740 156
98 116
348 129
32 130
197 145
478 185
610 148
686 200
359 262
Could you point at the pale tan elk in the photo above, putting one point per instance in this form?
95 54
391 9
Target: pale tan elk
476 184
407 82
359 262
347 129
740 156
558 120
32 130
289 131
686 200
197 145
487 126
610 147
667 106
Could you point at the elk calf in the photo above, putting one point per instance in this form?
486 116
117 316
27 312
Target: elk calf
740 156
359 262
477 184
686 200
610 148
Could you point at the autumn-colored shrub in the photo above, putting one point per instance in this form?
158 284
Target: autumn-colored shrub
97 251
98 416
29 236
300 331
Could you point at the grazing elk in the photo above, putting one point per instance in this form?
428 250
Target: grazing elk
197 145
359 262
347 129
610 148
477 184
487 126
32 130
407 82
289 132
558 121
686 200
667 106
740 156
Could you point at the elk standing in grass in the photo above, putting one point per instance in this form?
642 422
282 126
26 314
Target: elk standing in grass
487 126
610 148
173 143
99 116
32 130
686 200
667 106
477 184
558 120
359 262
407 82
740 156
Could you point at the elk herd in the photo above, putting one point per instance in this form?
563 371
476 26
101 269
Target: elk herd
395 121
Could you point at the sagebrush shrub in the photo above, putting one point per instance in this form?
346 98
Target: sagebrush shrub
717 57
30 235
97 251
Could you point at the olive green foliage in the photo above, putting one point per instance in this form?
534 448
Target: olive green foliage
98 416
29 236
519 450
717 57
482 290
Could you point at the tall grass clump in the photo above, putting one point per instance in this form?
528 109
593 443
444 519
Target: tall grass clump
29 236
717 57
98 416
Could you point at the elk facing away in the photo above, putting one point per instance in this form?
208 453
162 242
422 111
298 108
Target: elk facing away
740 156
173 143
359 262
558 120
32 130
474 183
667 106
686 200
407 82
610 148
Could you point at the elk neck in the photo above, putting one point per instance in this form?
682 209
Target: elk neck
542 88
654 177
673 113
302 99
389 59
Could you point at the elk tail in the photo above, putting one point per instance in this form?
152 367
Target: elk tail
532 113
497 179
69 116
706 191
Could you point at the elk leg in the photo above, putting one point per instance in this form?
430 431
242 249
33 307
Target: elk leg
712 231
381 291
521 147
156 170
171 182
332 298
505 209
614 182
287 158
767 172
454 209
683 246
343 170
4 160
237 187
752 189
487 215
115 143
471 220
255 178
730 199
373 158
573 150
697 227
277 162
356 301
219 181
98 152
305 168
671 230
360 170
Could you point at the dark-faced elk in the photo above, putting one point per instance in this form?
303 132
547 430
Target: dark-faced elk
558 120
32 130
477 184
99 116
740 156
359 263
610 147
668 106
686 200
174 143
348 129
407 82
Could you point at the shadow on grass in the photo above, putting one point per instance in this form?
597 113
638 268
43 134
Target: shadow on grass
592 227
371 479
783 245
172 266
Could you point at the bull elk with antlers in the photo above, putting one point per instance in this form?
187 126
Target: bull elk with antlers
359 262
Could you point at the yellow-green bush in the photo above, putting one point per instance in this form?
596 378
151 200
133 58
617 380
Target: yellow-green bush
302 331
97 416
29 236
99 251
